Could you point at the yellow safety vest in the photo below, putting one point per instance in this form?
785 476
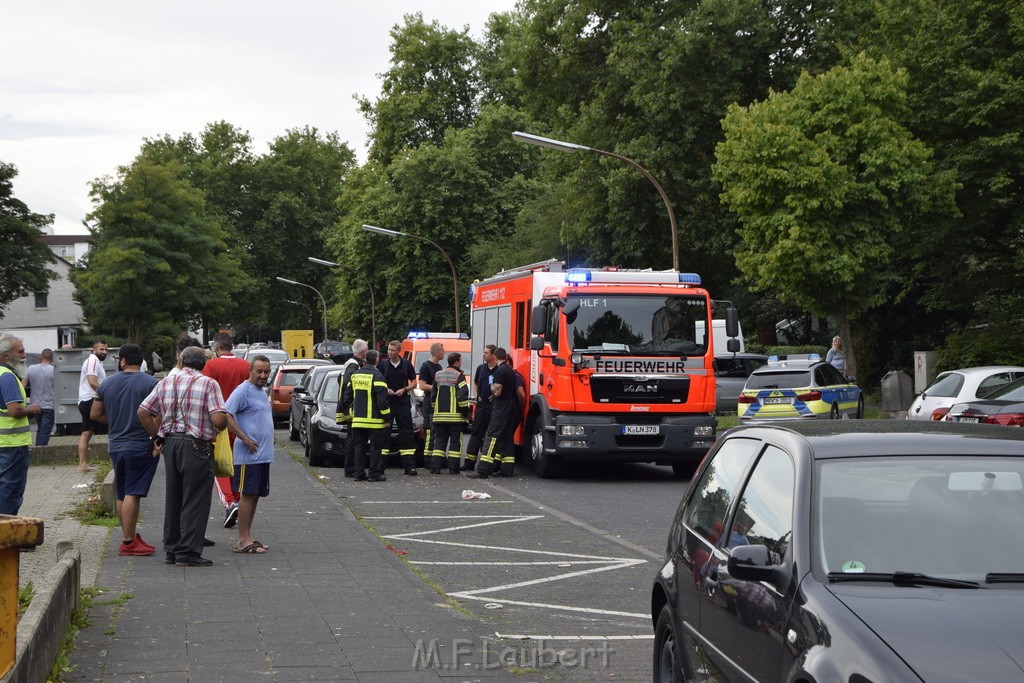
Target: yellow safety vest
14 430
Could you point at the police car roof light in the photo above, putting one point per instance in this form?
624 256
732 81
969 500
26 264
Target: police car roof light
689 278
577 275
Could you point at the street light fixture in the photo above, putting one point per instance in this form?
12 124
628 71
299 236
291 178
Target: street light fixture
373 303
539 141
455 277
322 302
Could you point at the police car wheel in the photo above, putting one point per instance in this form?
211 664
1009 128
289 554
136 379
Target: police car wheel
834 413
860 408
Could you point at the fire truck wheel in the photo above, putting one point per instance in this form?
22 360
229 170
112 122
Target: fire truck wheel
684 470
545 465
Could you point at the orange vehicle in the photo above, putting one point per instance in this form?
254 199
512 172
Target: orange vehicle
416 347
617 363
284 380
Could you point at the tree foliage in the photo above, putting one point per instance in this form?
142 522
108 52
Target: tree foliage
23 254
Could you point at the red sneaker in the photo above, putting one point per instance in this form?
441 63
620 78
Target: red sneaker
138 539
135 549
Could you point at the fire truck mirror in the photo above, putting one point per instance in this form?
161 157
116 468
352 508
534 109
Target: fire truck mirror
536 343
570 307
733 345
539 322
732 323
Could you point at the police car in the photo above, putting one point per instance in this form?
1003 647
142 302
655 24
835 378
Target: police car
801 386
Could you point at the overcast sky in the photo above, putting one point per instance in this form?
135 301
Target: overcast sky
82 83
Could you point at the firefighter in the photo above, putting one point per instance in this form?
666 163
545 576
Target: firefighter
366 398
359 348
425 383
482 378
400 377
498 454
450 400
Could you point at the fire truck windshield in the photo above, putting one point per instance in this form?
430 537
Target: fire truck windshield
639 325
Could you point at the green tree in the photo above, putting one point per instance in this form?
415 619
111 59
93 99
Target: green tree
23 254
158 256
826 180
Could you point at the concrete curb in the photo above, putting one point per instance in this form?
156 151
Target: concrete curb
65 453
45 624
107 494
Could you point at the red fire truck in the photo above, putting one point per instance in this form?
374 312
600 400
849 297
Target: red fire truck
617 363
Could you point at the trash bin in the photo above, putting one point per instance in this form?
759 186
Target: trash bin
897 393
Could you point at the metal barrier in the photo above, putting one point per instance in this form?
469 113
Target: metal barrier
15 533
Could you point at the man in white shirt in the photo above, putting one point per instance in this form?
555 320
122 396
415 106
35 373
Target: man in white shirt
88 381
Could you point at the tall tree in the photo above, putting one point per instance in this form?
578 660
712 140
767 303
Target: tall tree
825 179
23 254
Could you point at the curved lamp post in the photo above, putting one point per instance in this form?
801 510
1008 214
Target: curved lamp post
571 147
455 279
373 303
322 302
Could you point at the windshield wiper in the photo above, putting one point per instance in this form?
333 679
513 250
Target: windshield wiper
903 579
1004 577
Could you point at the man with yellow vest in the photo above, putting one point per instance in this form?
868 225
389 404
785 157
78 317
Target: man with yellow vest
14 434
365 398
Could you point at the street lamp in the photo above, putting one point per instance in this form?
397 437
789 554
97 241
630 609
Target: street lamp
571 147
324 303
373 304
455 278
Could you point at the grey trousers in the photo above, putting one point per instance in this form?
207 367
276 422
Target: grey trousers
188 467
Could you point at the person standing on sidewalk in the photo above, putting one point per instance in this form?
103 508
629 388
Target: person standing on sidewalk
400 377
40 383
425 383
14 430
482 378
449 398
131 450
90 378
251 422
185 414
229 372
366 397
498 455
358 359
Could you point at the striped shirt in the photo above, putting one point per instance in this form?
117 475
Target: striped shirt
184 403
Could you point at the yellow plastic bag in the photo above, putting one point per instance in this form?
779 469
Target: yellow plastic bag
223 458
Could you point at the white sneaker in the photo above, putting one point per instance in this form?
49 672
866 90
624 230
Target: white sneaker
231 516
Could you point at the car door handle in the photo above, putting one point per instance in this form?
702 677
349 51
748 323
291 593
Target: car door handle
710 585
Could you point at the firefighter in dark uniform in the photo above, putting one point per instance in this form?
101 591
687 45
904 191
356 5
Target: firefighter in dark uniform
482 378
450 400
400 377
357 360
498 453
425 383
366 398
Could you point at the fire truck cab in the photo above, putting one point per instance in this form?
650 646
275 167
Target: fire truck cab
617 363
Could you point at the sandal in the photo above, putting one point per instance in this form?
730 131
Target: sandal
254 548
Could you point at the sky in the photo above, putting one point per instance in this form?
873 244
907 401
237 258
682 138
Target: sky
83 83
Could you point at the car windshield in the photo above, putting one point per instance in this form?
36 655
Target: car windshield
329 395
290 378
640 325
947 386
954 517
782 379
1014 391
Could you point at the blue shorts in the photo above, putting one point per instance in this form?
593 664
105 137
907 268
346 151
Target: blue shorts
253 480
133 472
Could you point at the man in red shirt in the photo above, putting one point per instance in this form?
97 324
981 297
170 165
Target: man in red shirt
228 371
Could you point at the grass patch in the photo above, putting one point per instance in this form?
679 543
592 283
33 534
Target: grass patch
25 595
115 614
79 620
92 511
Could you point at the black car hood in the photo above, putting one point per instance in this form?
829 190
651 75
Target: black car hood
944 634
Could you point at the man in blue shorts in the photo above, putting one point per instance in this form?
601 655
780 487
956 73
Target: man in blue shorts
131 450
252 422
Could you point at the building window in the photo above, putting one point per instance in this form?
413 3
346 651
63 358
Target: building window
40 299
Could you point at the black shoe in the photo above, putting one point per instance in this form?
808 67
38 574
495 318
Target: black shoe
410 472
476 475
374 480
469 465
435 470
350 475
207 543
453 470
194 561
359 477
169 558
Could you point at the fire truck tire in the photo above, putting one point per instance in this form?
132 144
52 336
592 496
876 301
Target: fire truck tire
545 465
684 470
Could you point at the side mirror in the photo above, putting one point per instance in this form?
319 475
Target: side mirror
539 320
754 563
299 389
536 343
732 322
307 400
733 345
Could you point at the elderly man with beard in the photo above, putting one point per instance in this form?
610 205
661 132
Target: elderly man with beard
14 432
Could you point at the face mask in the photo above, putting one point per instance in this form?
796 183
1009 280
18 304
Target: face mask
101 356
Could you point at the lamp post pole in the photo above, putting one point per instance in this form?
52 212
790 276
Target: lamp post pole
373 303
572 147
322 301
455 277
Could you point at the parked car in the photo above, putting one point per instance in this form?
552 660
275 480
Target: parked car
283 381
1004 406
298 410
731 373
799 387
958 386
874 550
277 357
335 351
323 436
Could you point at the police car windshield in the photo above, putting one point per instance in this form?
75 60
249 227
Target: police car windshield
639 324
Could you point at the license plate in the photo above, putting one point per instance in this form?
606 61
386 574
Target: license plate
972 420
777 400
641 430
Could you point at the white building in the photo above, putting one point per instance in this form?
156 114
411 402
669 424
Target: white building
46 320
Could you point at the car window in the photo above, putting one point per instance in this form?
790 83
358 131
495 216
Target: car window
330 392
290 378
991 383
1010 392
732 367
821 377
764 515
711 497
782 379
315 380
834 377
947 386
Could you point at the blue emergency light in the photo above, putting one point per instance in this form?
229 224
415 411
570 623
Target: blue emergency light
689 278
418 334
577 275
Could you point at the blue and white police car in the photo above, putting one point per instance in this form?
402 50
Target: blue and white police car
799 386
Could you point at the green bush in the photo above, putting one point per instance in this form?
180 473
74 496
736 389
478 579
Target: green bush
767 350
994 344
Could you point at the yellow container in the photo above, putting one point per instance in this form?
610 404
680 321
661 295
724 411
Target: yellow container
298 343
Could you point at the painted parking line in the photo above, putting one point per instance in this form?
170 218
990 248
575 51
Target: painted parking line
520 636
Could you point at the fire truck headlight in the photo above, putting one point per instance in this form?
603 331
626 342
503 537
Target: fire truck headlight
571 430
576 358
704 430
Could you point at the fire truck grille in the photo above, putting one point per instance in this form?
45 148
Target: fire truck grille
639 390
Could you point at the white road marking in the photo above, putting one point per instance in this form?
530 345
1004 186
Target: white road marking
513 564
433 502
518 636
564 608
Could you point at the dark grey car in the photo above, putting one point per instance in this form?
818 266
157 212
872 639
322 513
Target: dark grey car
731 373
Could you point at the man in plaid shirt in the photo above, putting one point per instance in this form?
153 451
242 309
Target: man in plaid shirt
183 415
